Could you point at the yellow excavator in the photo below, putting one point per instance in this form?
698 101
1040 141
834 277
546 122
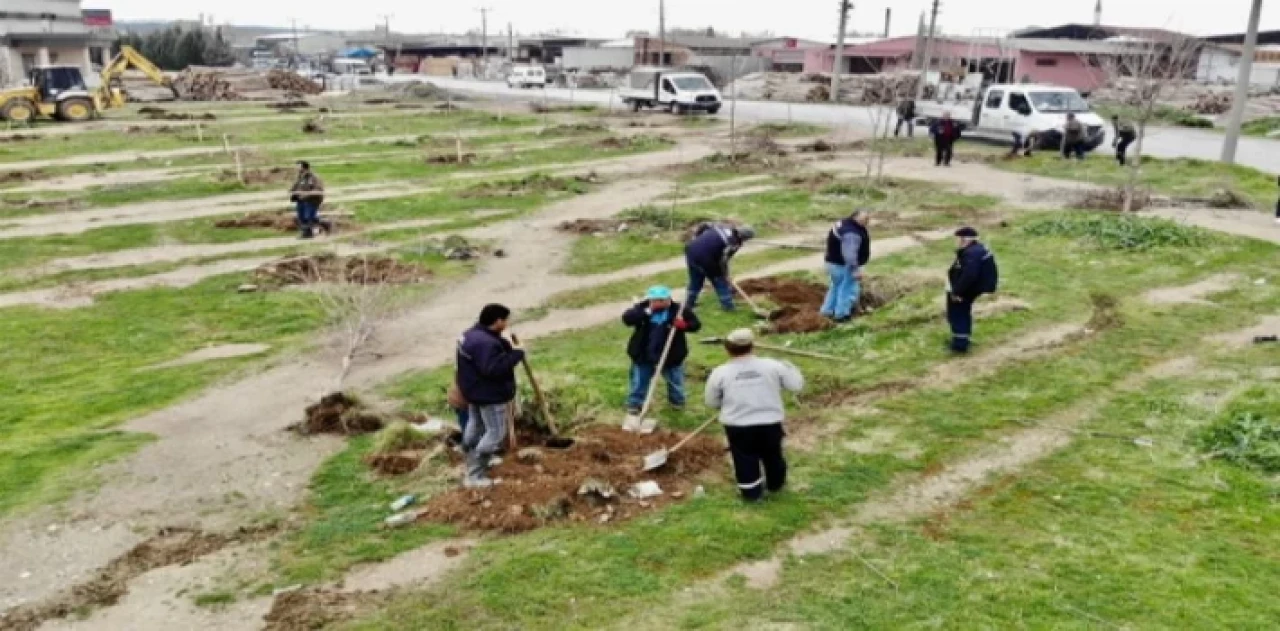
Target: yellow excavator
60 92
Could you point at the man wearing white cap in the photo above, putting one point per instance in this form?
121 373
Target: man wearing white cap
748 392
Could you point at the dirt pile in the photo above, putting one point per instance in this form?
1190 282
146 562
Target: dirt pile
14 177
311 609
532 184
800 301
1111 199
292 104
331 268
19 138
451 158
574 129
284 222
272 175
340 414
171 546
161 114
592 226
292 82
884 88
588 482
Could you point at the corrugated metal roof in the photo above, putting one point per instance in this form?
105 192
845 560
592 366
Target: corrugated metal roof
1074 46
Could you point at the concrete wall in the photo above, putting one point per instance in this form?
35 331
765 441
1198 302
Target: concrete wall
1223 66
1067 70
67 21
583 58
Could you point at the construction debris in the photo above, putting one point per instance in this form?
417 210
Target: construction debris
884 88
227 84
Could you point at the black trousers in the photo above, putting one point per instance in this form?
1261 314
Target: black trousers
911 128
943 150
752 447
960 317
1122 147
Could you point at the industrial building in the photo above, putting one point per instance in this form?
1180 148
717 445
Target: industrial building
49 32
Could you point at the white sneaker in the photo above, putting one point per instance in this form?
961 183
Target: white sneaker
478 483
495 461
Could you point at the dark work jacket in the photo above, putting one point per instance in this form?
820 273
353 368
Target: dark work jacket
966 272
1073 132
835 242
647 340
907 109
945 130
487 367
712 248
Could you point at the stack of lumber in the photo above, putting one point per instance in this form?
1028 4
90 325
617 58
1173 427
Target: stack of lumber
234 84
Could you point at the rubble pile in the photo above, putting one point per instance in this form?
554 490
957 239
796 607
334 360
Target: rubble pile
228 84
883 88
1196 98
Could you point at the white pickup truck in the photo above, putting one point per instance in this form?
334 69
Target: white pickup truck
1002 110
677 91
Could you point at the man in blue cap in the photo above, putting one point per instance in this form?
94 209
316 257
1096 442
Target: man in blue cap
654 321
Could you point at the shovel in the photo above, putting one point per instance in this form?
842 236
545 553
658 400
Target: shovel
539 396
637 423
760 313
779 349
658 459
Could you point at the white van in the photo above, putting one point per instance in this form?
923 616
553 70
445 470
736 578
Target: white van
679 92
1024 109
527 77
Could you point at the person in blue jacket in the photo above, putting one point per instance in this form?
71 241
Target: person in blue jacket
973 274
486 378
653 322
848 250
708 256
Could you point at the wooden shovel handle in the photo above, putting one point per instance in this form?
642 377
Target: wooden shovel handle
543 406
695 432
666 352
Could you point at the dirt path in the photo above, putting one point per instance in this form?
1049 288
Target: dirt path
1242 223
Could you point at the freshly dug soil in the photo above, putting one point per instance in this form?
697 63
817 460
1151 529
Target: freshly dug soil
171 546
801 301
160 114
397 463
273 175
535 183
451 158
328 267
311 609
19 138
289 105
339 414
284 222
12 177
817 146
591 226
544 491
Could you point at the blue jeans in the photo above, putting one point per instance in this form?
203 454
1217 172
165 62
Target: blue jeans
463 416
308 214
843 294
960 317
698 278
642 375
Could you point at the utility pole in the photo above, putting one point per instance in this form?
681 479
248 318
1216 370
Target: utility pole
511 43
386 34
662 32
888 21
928 50
1232 141
297 52
845 7
484 34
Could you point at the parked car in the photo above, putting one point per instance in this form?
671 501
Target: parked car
1004 109
677 91
527 77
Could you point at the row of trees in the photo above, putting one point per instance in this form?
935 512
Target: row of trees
176 48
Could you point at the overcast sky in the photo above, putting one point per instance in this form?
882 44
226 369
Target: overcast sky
612 18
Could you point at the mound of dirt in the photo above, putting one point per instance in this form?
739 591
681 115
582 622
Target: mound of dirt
273 175
12 177
411 106
329 268
312 127
19 138
396 463
289 105
284 222
530 184
817 146
310 609
160 114
1110 199
800 301
339 414
379 101
592 226
586 482
451 158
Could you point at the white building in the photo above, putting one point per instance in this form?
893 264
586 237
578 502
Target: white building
44 32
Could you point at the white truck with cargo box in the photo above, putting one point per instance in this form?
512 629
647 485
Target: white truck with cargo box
1001 110
677 91
527 77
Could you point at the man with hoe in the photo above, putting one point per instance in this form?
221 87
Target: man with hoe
486 379
708 256
973 273
748 392
848 250
655 322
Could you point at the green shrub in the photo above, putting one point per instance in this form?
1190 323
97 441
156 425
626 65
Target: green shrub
1119 232
1245 439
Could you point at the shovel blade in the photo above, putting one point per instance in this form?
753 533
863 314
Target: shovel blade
656 460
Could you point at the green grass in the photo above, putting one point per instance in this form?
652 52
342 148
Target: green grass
1265 127
215 599
787 130
1178 177
585 577
1162 115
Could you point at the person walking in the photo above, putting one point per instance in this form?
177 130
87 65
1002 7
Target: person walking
1125 135
848 250
708 256
747 390
652 322
486 377
973 274
906 116
1073 138
945 132
308 195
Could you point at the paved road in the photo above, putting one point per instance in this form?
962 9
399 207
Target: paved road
1164 142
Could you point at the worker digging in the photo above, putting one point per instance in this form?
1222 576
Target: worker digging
658 345
486 378
708 256
307 194
848 251
747 390
973 274
945 133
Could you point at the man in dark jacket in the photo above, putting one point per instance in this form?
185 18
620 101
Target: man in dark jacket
1125 135
708 256
653 322
486 378
1073 138
848 250
308 194
945 132
906 116
971 275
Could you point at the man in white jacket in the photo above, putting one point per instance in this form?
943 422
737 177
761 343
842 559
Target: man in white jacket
748 392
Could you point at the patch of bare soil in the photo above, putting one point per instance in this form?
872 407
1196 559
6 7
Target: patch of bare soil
51 204
161 114
591 226
1194 293
451 158
289 105
801 301
171 546
283 221
411 106
213 353
1106 313
531 184
311 609
1109 199
329 267
588 482
14 177
19 138
273 175
338 413
574 129
817 146
312 126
